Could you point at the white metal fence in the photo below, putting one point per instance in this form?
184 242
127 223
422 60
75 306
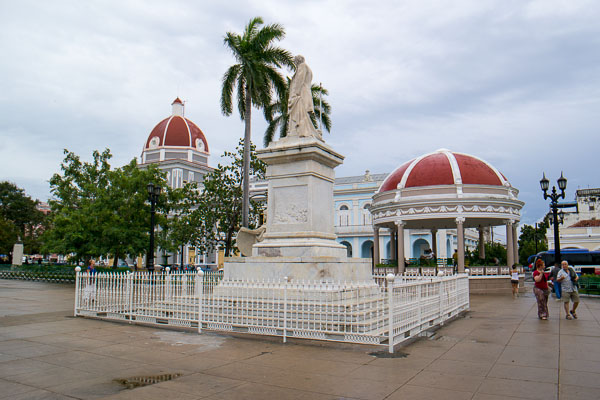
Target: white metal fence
383 311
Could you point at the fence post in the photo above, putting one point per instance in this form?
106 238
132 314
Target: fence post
77 287
285 282
130 276
440 282
168 283
390 289
200 291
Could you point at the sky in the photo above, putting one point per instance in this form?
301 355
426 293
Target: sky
516 83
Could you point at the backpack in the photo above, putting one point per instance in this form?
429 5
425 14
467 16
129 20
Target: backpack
573 275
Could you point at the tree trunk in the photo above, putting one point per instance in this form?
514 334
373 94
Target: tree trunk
246 177
116 261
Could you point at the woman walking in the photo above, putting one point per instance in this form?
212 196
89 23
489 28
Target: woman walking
514 281
540 289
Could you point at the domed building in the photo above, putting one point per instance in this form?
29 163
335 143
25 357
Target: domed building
179 147
443 191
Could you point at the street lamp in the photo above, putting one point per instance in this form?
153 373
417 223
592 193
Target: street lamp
153 194
554 197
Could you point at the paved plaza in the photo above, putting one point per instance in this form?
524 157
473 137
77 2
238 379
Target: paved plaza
498 350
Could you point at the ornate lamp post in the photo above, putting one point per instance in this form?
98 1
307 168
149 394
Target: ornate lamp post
554 197
153 194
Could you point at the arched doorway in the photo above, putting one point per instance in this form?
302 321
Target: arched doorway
348 249
366 250
419 247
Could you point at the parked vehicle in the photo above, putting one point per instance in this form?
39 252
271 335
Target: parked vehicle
582 260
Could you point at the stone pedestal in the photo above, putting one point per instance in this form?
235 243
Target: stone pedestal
300 241
17 255
300 202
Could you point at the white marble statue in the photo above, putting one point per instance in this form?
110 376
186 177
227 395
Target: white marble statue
300 102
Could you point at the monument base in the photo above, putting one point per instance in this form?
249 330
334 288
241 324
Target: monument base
327 269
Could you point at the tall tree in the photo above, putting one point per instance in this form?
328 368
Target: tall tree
277 115
97 211
20 218
530 240
256 76
218 216
179 224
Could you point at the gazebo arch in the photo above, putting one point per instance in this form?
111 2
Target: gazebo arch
419 246
446 190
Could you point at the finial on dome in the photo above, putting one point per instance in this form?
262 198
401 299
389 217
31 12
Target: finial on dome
178 107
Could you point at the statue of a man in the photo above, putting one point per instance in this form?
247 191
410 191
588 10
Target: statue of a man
300 102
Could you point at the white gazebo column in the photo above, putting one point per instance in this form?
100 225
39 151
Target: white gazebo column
510 253
400 243
393 244
515 242
461 243
376 259
481 243
434 242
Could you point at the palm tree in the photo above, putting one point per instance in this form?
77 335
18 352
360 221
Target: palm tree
255 76
277 112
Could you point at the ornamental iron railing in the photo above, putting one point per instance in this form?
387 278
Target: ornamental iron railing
384 311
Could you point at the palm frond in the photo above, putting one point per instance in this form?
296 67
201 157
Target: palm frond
241 95
268 34
227 91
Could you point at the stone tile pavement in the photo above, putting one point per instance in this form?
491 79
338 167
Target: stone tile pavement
498 350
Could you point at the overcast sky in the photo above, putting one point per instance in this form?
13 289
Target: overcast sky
516 83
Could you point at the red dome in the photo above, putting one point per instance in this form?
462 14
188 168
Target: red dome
177 131
443 167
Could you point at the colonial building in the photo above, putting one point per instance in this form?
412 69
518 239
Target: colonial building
580 228
179 147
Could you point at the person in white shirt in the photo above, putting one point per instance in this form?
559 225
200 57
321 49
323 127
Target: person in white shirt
514 281
568 280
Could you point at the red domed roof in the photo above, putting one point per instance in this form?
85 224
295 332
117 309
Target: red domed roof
443 167
177 131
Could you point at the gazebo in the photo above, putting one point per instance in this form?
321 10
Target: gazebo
445 190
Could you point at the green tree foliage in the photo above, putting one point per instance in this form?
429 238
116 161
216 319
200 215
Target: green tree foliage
277 114
256 76
495 254
97 211
183 220
19 217
219 215
527 241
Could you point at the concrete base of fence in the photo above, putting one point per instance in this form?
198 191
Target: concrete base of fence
298 268
498 284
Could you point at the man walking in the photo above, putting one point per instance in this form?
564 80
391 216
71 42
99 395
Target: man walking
568 278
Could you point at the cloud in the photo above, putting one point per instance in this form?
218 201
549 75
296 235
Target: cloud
516 83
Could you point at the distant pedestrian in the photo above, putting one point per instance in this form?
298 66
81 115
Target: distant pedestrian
91 266
540 289
455 258
556 283
568 279
514 281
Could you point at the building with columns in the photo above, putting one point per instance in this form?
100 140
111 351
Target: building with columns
443 191
353 197
178 146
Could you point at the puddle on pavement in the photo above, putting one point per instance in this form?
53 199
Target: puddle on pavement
139 381
387 354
